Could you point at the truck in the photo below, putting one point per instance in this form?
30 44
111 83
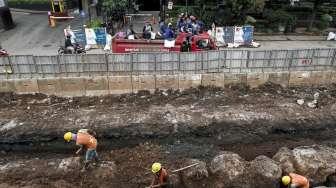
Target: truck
196 43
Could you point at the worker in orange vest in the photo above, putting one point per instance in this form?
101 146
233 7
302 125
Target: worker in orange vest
293 180
84 139
161 177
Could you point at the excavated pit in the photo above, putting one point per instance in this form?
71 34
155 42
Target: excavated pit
135 130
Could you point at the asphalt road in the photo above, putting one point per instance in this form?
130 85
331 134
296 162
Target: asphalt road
32 35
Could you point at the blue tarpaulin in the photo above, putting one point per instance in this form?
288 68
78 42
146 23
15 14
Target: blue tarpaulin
248 34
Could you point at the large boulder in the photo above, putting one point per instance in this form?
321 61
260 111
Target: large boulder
228 169
69 164
315 162
263 172
195 176
105 170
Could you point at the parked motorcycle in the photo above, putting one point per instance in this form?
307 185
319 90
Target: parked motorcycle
3 52
77 50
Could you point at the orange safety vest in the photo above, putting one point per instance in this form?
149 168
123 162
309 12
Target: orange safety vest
163 176
88 141
299 180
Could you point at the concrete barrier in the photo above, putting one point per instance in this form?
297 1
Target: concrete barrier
72 87
187 81
281 78
214 79
49 86
79 86
120 84
300 78
96 86
232 79
7 86
333 77
23 86
321 77
143 82
256 79
164 82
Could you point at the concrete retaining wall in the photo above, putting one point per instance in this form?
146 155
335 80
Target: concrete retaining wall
88 86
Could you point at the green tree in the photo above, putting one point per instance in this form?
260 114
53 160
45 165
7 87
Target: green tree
316 5
241 8
114 9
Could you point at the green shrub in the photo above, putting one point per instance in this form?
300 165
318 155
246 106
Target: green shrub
250 20
95 23
281 18
30 4
324 22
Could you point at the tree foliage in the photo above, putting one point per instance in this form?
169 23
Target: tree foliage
114 9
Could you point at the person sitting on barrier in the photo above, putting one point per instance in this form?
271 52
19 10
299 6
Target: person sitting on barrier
147 31
130 33
68 45
181 23
169 33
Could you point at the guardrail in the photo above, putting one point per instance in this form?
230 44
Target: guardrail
236 61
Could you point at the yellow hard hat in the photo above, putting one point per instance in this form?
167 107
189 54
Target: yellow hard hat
67 136
286 180
156 167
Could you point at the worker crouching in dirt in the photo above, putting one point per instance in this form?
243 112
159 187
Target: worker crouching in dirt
85 139
161 177
295 181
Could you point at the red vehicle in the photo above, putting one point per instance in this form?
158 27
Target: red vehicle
199 42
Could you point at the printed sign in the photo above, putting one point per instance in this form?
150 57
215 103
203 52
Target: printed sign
305 62
228 34
100 35
2 3
220 36
239 35
90 36
80 36
170 5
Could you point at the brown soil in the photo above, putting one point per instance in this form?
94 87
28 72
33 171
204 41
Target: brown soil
135 130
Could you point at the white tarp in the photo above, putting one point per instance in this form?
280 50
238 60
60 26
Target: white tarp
90 36
2 3
331 36
169 43
108 42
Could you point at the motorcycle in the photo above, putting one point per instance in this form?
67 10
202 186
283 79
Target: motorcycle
3 53
77 50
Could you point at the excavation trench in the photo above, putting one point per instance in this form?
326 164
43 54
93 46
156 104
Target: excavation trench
136 130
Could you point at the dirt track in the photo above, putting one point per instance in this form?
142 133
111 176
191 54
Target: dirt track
137 129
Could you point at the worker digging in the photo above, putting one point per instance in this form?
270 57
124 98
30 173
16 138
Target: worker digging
85 139
293 180
161 177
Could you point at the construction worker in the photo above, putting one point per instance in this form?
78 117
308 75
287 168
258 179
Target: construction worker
161 178
295 181
84 138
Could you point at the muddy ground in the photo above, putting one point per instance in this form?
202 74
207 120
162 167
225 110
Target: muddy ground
135 130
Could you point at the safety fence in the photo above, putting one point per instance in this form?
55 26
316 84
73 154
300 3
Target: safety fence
236 61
